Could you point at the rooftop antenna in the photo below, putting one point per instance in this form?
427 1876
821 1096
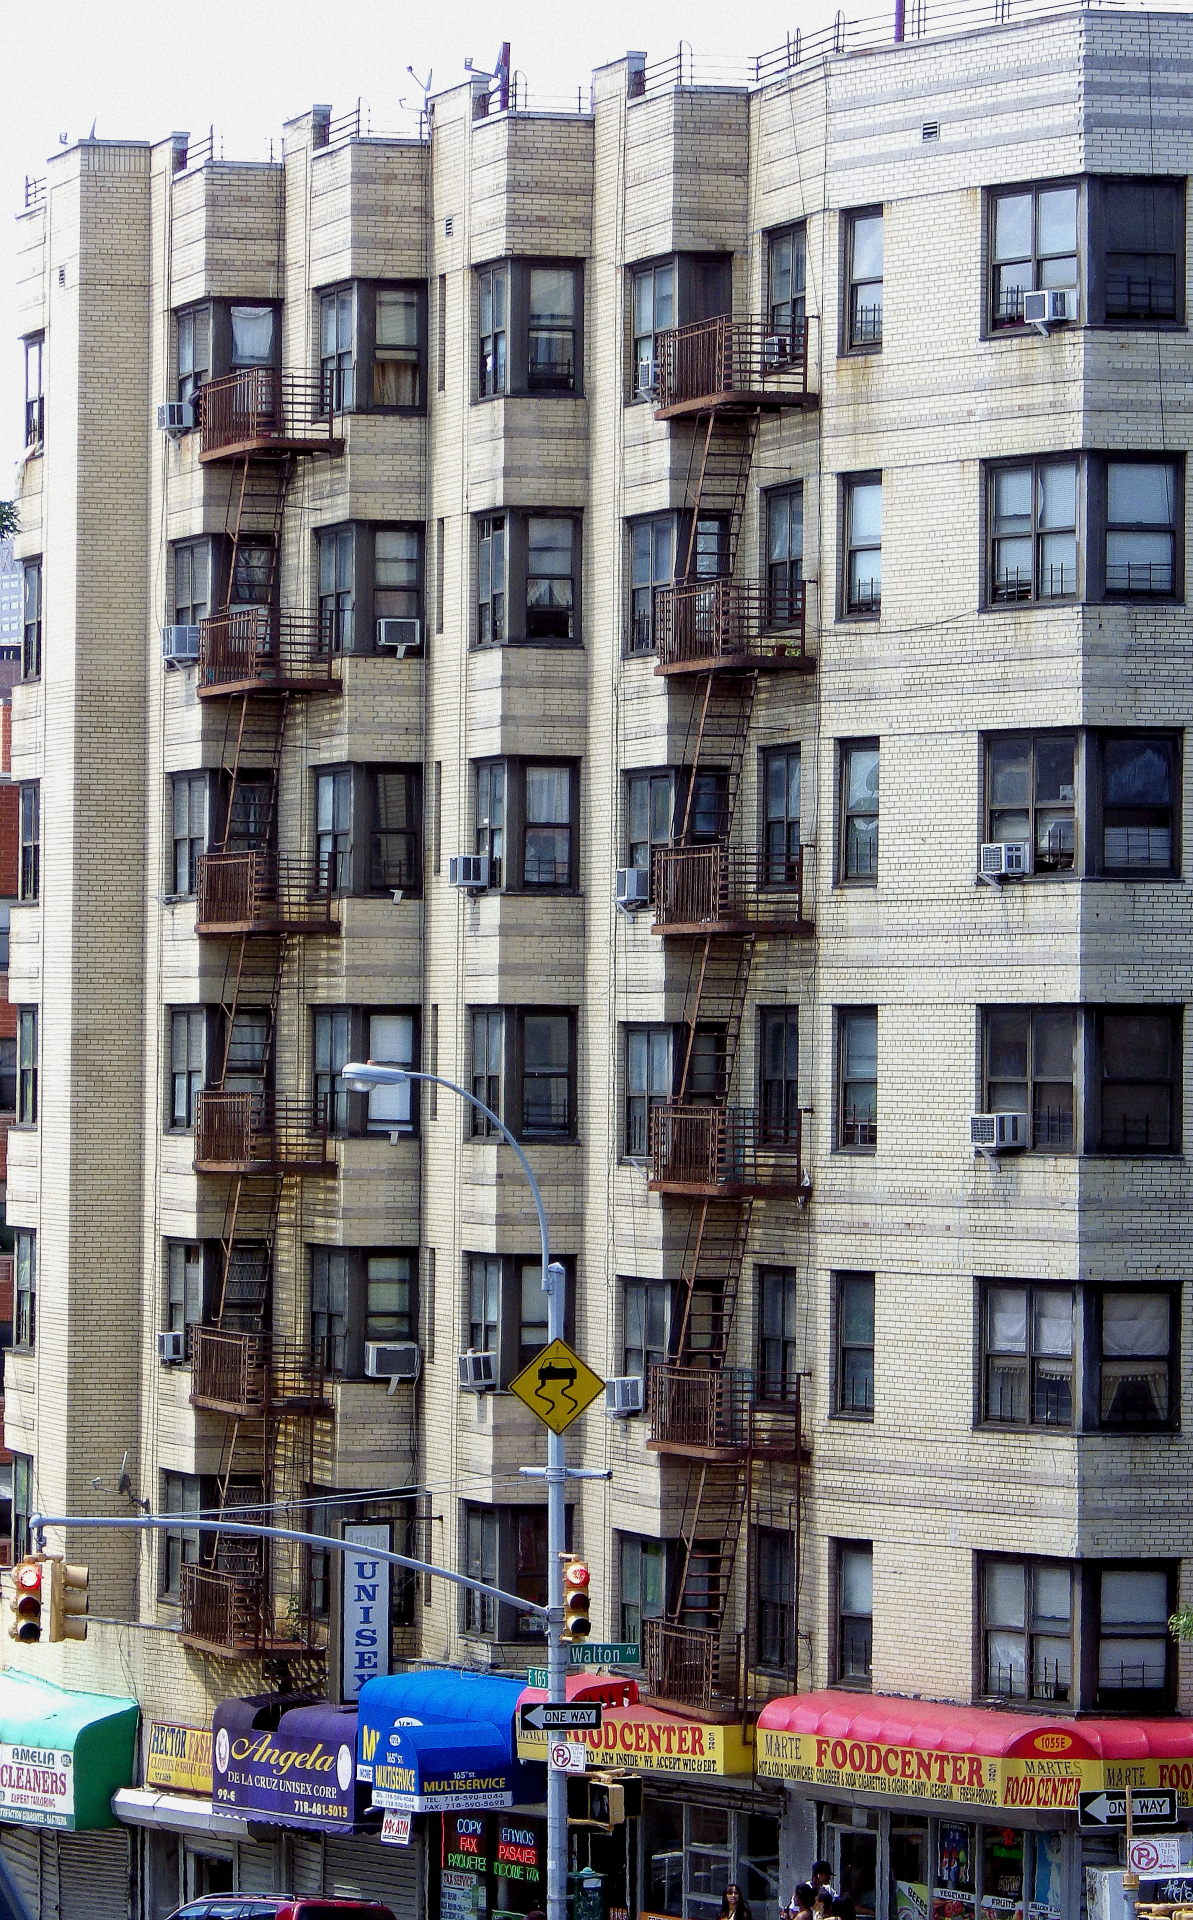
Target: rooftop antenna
425 88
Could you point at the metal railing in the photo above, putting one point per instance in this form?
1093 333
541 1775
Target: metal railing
257 406
260 646
256 1131
720 1408
709 1146
234 1612
698 621
252 1371
697 1665
259 891
724 357
35 191
707 886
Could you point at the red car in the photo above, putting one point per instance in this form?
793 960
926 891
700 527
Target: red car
279 1906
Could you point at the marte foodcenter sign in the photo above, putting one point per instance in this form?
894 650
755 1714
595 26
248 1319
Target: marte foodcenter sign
1046 1780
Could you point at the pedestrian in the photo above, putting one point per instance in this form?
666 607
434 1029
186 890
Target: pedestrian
800 1907
734 1905
822 1879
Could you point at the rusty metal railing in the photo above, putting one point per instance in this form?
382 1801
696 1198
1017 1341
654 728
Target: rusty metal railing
258 646
700 622
721 358
257 407
718 884
715 1146
256 1132
258 891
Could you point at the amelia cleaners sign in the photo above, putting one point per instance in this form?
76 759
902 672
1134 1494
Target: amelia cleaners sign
364 1608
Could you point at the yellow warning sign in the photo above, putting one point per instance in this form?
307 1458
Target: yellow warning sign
557 1386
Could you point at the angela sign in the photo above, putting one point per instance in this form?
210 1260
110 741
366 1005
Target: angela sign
294 1767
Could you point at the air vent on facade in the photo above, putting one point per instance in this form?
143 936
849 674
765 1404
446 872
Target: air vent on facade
930 130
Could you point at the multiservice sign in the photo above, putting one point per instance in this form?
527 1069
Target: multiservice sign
299 1773
1048 1770
427 1770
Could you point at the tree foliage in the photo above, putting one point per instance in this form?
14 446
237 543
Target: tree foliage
8 519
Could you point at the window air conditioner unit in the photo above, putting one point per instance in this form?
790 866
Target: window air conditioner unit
171 1348
776 351
180 643
478 1372
1048 306
470 870
176 416
997 1132
624 1396
393 1359
648 374
633 887
400 636
998 858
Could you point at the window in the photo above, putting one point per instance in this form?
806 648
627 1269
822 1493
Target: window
1120 1659
855 1612
23 1506
524 1068
1119 242
1089 802
649 1081
786 272
784 556
220 337
505 1547
1139 784
1031 795
188 1064
359 1294
857 1078
480 1563
1143 223
642 1573
1129 1084
780 787
372 347
368 829
529 327
1028 1340
1031 1065
778 1333
552 334
29 876
194 350
652 565
192 582
778 1077
774 1599
528 579
31 576
862 587
1028 1607
1033 531
854 1303
646 1325
189 1268
1134 1646
859 766
27 1066
1033 245
35 405
507 1309
492 284
649 807
24 1311
8 1074
1135 1352
526 824
366 574
653 309
1141 523
182 1494
340 1034
1085 1358
1137 1057
863 305
188 831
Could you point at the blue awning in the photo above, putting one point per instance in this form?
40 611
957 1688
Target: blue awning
442 1741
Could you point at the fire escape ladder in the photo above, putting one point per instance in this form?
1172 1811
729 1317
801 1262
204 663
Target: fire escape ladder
709 1280
719 459
709 1534
718 731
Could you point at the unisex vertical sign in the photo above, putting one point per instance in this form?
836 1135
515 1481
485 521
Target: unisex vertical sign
365 1608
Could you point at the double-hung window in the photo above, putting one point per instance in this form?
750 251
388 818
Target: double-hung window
493 295
367 575
863 268
1031 1068
1142 516
778 1075
857 1078
649 1082
1102 527
1092 802
368 829
29 871
778 1333
1142 224
192 582
337 588
642 1582
1033 246
786 277
524 1068
781 810
1031 792
1028 1629
526 823
359 1294
1088 1633
507 1308
1093 1079
372 347
861 588
652 565
1029 1339
188 1064
337 385
24 1309
491 579
854 1310
1087 1358
189 1269
505 1547
653 309
774 1602
185 1495
1033 531
8 1074
855 1612
646 1325
529 327
550 577
340 1034
31 579
1117 243
649 812
528 578
784 556
194 350
189 793
35 404
552 329
858 835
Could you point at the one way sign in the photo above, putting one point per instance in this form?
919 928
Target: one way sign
579 1716
1148 1810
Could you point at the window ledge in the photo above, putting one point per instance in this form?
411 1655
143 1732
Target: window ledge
852 1419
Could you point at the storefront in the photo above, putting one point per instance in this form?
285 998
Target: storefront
935 1812
62 1757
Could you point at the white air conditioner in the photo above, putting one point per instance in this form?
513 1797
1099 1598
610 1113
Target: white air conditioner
997 1132
633 887
180 643
776 352
1049 306
624 1396
171 1347
469 870
400 636
393 1359
647 378
176 416
998 858
478 1372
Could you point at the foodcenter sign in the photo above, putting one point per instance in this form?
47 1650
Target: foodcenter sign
1049 1770
643 1740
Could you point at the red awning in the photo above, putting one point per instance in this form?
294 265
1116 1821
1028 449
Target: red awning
992 1732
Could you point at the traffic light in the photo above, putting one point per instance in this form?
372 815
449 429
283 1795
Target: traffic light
28 1596
594 1801
69 1600
577 1621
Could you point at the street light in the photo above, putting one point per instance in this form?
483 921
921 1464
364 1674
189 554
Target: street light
361 1076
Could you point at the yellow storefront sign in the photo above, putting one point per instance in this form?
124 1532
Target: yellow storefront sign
643 1741
1050 1781
178 1758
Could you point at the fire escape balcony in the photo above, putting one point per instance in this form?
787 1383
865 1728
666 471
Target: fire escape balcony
262 412
248 1374
234 1613
256 1133
693 1666
259 650
730 626
256 892
717 1152
722 1414
732 365
727 890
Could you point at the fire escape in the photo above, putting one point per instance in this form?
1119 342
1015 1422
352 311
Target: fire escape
245 1596
715 894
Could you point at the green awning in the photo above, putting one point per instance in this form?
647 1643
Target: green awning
62 1755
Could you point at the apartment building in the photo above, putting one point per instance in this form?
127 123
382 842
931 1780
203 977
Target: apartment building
483 576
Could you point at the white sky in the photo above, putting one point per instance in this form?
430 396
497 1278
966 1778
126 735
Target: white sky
141 69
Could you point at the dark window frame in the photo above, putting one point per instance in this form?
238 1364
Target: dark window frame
859 814
348 375
350 1115
189 612
1046 584
220 354
1088 1633
29 849
780 776
502 826
1093 237
34 345
348 596
783 573
190 1271
32 585
1087 1368
647 1306
356 859
861 320
854 1636
24 1290
343 1318
1045 266
506 330
1086 1132
701 289
853 1380
28 1066
509 612
859 599
1082 854
506 1546
786 309
778 1335
856 1130
505 1028
184 1546
779 1112
774 1562
495 1302
639 1102
636 1602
